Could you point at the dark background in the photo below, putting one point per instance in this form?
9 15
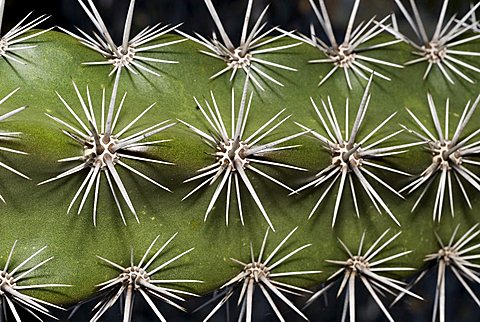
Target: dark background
291 15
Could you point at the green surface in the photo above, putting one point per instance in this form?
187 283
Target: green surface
36 216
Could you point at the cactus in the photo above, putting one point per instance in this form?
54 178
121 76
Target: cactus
286 167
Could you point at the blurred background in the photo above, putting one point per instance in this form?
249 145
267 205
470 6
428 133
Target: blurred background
291 15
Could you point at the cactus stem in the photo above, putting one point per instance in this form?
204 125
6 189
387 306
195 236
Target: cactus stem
364 267
245 56
455 256
128 54
103 151
9 135
10 290
234 154
437 50
259 273
139 279
448 155
350 156
347 55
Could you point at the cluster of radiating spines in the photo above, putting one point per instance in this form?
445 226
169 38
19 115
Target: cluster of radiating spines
261 274
130 54
235 153
365 267
140 279
6 135
19 37
247 56
351 54
456 256
450 154
352 156
105 148
439 49
12 286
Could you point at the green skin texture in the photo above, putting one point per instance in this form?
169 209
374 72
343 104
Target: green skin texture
36 215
